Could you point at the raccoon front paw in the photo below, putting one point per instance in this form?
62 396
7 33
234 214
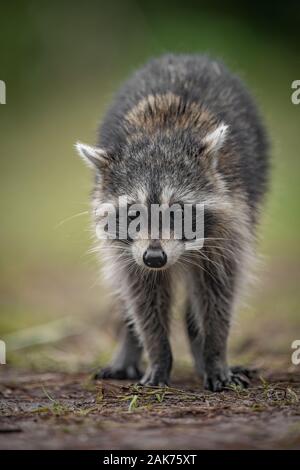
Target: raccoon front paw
131 372
217 381
246 373
153 378
235 376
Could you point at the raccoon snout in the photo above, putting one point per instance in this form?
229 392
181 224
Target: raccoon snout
155 257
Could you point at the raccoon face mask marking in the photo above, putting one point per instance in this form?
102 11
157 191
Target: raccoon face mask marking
161 182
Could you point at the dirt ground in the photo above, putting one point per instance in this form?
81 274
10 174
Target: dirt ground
48 400
68 411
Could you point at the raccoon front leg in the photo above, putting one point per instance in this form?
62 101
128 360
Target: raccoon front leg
195 336
125 364
216 328
152 307
211 308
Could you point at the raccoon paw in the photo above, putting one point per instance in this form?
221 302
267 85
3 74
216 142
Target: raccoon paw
245 372
217 381
131 372
236 376
154 379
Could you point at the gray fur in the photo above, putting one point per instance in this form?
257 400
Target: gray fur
182 127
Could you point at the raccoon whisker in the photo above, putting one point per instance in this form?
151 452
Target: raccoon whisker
213 238
198 265
115 255
220 255
92 250
101 251
228 255
218 251
181 265
166 275
202 244
114 248
203 256
131 269
206 271
67 219
218 247
199 255
221 246
153 280
215 263
120 257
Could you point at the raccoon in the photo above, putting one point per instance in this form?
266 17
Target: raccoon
182 129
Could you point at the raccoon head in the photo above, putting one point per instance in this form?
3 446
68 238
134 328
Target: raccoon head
174 177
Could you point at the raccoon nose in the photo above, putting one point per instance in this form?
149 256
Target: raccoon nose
155 258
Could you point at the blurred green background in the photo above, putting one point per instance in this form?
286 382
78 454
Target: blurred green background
62 62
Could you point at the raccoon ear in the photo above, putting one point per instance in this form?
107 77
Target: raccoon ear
94 157
215 140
